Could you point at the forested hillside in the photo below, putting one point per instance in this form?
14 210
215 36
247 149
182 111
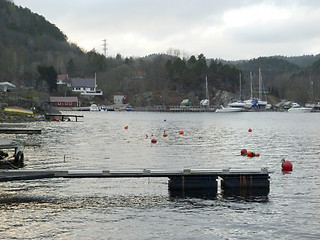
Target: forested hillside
28 42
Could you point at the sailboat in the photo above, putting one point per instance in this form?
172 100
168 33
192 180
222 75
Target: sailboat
252 102
206 102
261 103
237 103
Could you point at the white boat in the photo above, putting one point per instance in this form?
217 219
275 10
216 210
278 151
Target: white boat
94 107
296 108
258 103
228 109
236 104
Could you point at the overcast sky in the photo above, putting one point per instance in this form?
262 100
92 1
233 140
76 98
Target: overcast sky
227 29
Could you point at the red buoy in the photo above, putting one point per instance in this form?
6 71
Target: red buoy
243 152
286 165
165 135
126 127
153 140
181 132
147 135
57 120
249 130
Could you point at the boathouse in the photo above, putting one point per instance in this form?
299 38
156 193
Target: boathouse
64 101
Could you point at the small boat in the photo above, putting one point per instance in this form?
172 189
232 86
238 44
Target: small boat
228 109
236 104
296 108
18 110
94 107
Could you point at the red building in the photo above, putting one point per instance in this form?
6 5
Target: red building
64 101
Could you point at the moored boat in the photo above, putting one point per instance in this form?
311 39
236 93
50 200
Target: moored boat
296 108
228 109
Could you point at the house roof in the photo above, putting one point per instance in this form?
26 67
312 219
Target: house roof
83 82
63 99
62 77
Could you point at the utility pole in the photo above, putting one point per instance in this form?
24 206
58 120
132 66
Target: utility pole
105 47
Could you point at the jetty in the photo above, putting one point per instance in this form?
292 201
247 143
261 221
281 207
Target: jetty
19 131
6 128
63 117
179 180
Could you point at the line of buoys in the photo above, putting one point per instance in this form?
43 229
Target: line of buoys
253 154
244 152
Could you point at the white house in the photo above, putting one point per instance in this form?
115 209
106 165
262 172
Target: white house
85 86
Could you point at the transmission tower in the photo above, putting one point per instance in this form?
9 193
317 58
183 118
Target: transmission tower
105 47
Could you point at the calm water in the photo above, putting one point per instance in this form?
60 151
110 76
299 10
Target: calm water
143 208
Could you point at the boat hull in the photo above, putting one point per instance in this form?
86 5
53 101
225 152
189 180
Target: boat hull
299 110
228 110
18 110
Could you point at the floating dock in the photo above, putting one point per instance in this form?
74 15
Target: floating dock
11 130
179 180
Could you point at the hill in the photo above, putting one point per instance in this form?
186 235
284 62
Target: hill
28 40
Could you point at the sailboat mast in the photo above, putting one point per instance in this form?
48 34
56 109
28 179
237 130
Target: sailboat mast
240 85
250 85
207 90
260 84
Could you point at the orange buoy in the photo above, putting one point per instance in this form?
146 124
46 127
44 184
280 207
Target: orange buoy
243 152
165 135
126 127
249 130
286 165
181 132
250 154
253 154
153 140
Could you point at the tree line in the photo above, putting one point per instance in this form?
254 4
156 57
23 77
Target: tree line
32 51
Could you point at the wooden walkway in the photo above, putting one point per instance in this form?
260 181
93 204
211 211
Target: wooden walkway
63 117
128 173
179 180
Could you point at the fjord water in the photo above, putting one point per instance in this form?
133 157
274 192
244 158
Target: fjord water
143 208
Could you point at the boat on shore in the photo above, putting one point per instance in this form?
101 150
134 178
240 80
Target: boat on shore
18 110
